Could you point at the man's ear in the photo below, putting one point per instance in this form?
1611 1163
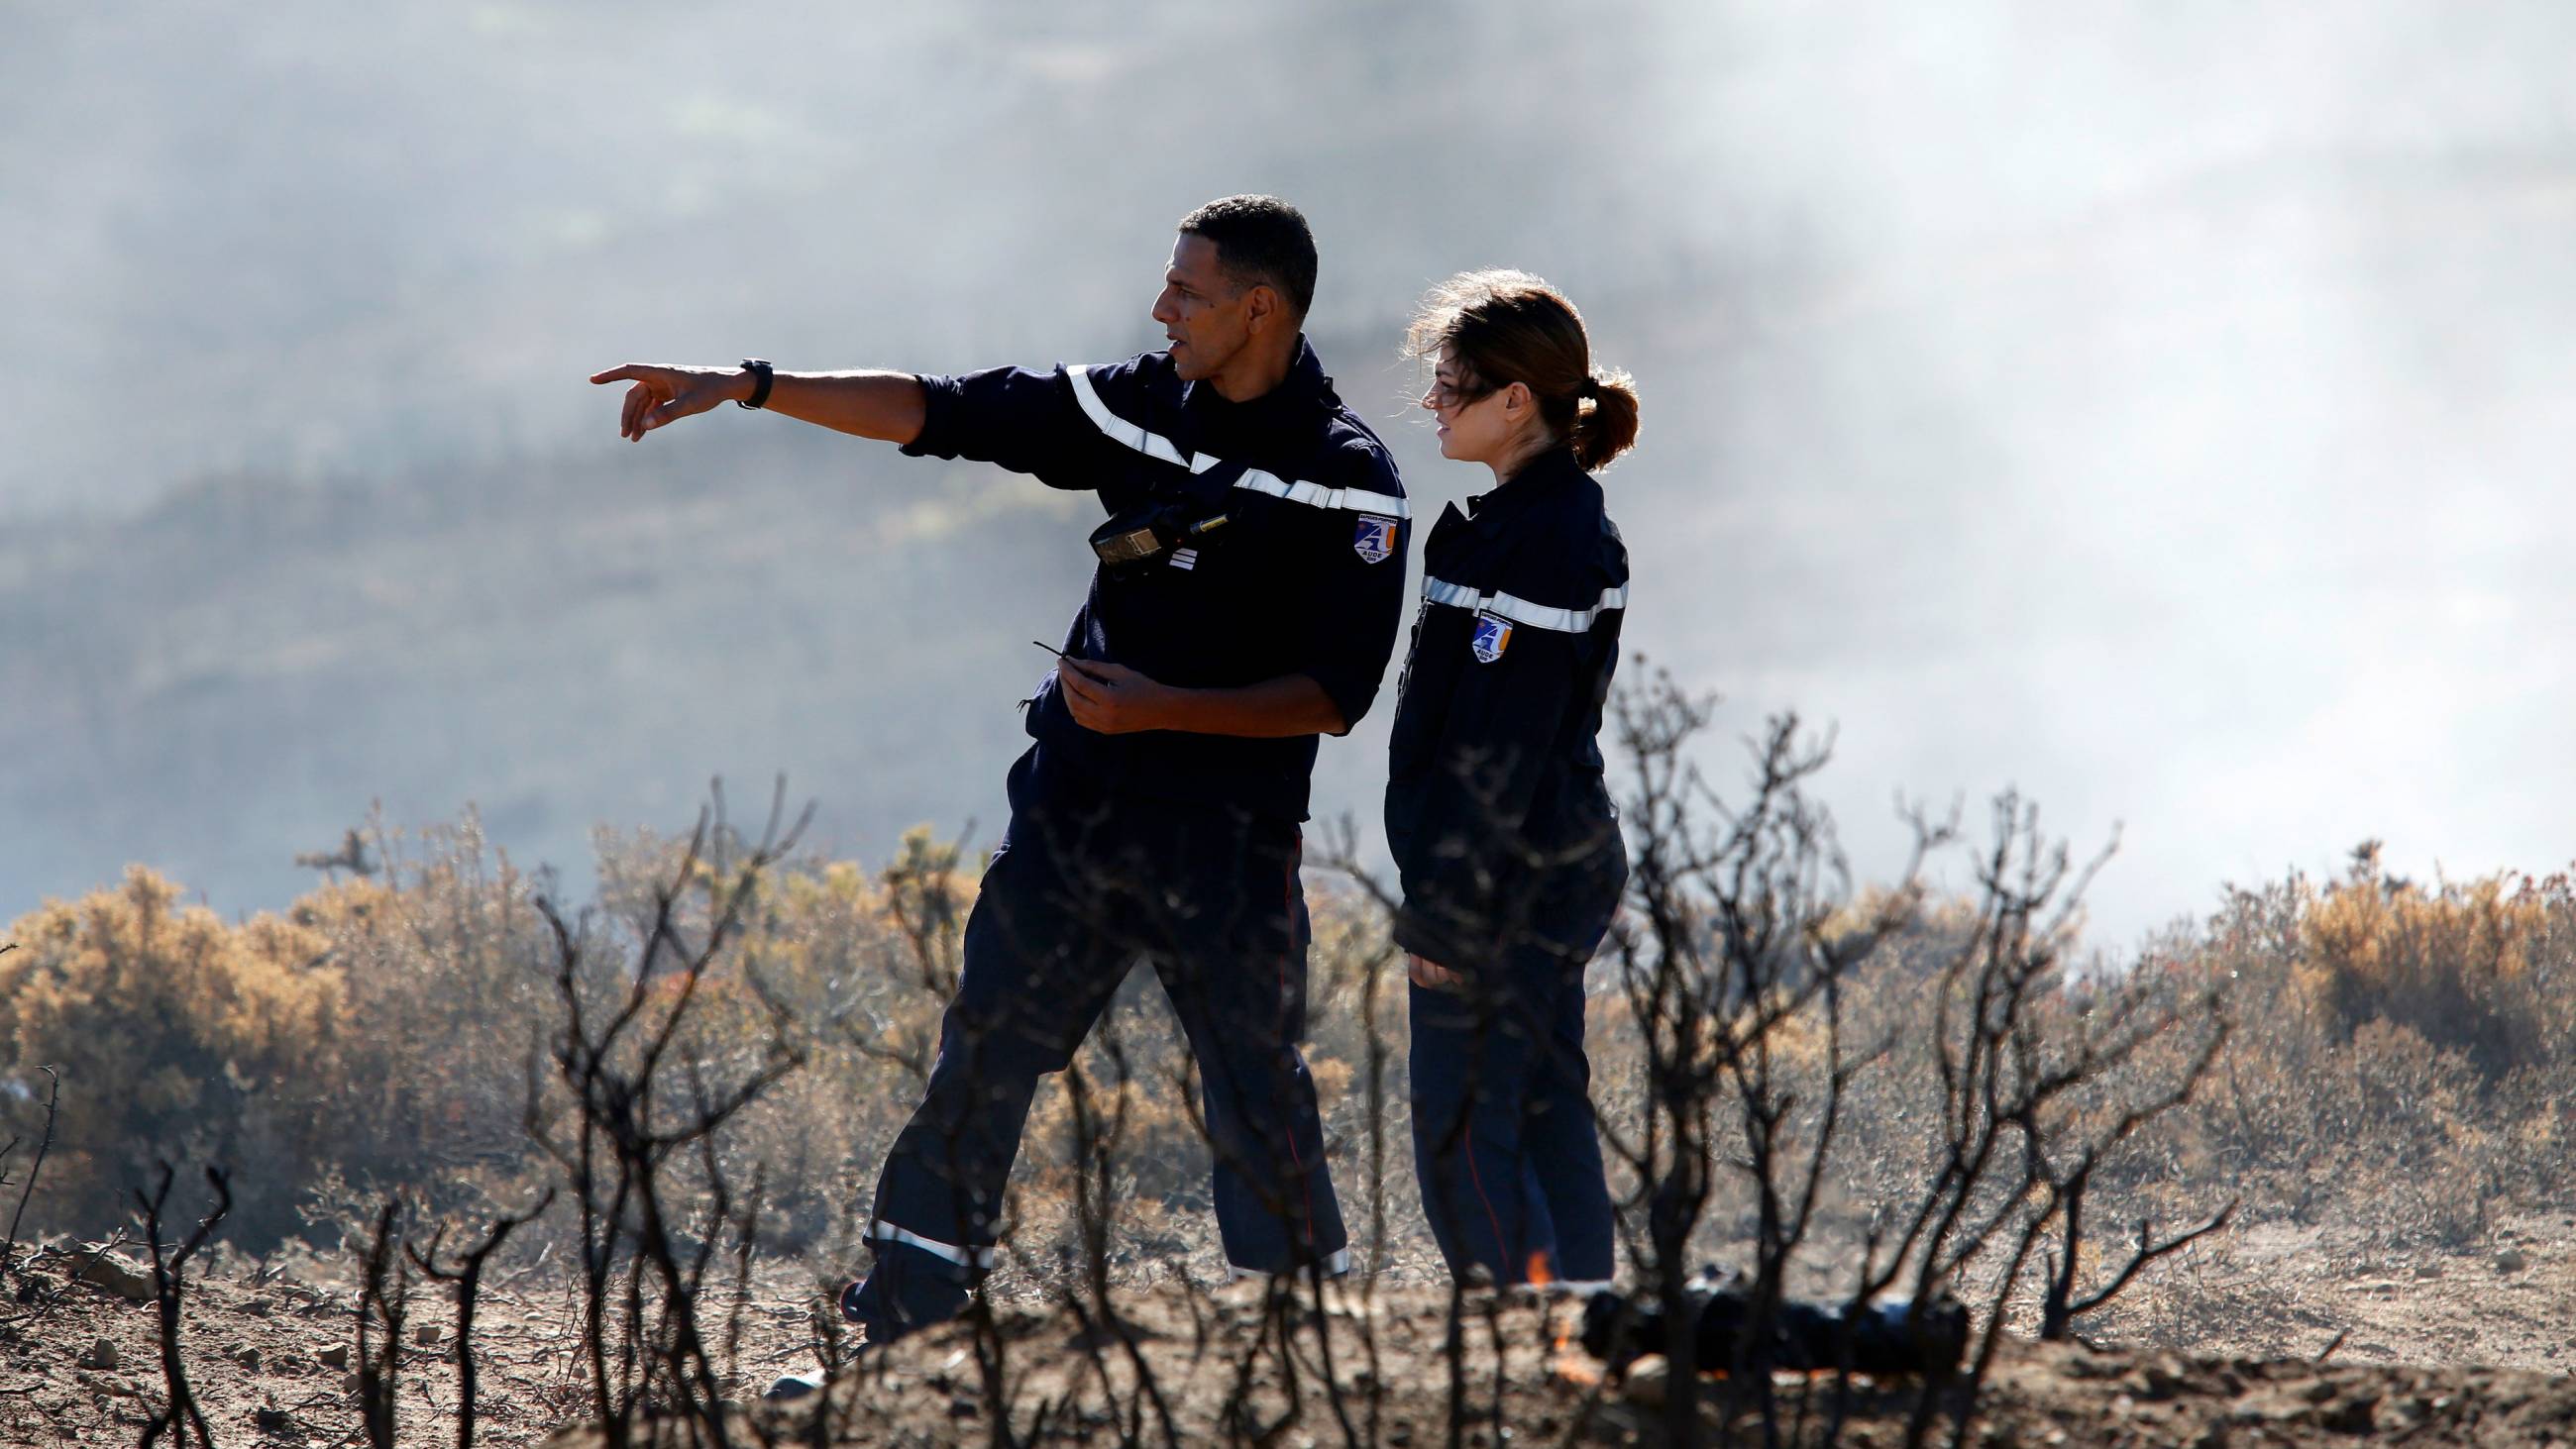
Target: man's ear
1261 308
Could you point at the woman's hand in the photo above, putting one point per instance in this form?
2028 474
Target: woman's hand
1430 974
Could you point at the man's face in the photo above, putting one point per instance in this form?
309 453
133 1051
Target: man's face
1205 316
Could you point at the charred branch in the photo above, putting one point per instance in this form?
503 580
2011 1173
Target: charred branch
179 1416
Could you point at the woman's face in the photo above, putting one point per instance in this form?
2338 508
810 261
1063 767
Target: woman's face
1475 426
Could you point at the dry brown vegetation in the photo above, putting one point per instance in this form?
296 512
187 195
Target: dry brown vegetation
2400 1052
1841 1093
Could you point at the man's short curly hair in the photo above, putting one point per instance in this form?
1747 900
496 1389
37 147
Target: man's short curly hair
1260 239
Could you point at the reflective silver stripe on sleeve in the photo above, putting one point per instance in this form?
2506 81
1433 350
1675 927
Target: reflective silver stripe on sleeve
1162 449
1152 445
1522 611
1316 495
886 1232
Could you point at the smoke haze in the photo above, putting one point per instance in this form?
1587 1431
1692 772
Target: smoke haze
2160 408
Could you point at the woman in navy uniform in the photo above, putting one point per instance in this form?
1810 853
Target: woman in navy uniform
1502 827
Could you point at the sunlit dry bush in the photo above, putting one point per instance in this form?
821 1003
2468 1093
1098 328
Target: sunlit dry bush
2401 1063
2315 1122
2403 1056
440 1011
2479 967
852 967
377 1035
816 945
175 1034
373 1036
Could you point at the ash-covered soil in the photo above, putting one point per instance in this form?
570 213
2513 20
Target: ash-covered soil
2221 1348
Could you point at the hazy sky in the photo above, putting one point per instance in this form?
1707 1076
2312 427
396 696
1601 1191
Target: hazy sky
2162 408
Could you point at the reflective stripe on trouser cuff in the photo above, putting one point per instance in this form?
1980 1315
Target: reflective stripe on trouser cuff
886 1232
1162 449
1334 1264
1522 611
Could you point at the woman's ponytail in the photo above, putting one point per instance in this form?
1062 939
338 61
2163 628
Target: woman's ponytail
1605 421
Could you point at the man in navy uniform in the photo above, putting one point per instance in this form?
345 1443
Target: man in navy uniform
1250 589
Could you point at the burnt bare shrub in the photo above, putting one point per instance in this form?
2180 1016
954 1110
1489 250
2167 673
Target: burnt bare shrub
466 1276
1730 978
384 1306
25 1179
180 1417
1855 1095
1915 1103
841 952
662 1218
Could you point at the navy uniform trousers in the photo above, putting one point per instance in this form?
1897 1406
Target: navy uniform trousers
1504 1145
1079 891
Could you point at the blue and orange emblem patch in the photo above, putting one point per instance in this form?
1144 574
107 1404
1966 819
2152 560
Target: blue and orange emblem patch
1375 540
1491 636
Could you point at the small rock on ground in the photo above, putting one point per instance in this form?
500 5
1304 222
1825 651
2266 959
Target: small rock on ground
117 1276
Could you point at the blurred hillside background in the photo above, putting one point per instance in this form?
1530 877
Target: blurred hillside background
2163 408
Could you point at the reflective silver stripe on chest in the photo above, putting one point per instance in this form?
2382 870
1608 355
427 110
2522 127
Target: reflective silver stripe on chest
1162 449
1522 611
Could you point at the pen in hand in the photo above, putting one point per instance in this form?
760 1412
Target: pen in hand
1068 661
1080 665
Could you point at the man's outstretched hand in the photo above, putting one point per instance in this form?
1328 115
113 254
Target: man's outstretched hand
664 395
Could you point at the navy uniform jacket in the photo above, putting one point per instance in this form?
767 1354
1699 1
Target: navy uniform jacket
1496 765
1305 577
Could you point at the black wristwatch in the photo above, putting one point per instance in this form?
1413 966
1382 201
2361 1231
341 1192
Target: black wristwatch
760 376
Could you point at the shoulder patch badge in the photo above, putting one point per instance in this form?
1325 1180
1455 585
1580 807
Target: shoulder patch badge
1375 540
1490 637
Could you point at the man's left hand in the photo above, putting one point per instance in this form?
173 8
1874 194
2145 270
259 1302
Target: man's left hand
1430 973
1111 699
